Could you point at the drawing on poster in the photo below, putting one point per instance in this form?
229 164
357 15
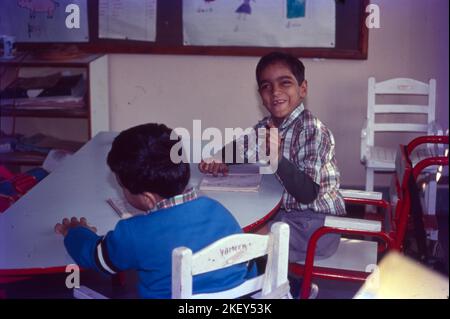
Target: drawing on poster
244 9
206 6
42 20
39 6
295 9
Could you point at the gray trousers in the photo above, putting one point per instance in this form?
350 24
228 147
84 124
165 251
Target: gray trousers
302 225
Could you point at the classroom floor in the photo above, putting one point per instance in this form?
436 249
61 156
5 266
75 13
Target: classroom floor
53 287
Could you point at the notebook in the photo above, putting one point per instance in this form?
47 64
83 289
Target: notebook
240 178
123 209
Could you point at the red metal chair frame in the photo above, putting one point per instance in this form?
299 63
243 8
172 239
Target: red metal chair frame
431 161
426 222
392 238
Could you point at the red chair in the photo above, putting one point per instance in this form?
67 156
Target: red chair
356 258
424 225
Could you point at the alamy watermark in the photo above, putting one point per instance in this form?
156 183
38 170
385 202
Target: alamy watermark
250 146
373 19
73 17
73 279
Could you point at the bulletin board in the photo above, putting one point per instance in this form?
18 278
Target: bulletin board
168 35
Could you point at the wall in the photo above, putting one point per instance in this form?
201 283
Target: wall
221 91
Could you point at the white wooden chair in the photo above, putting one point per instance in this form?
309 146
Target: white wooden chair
377 158
241 248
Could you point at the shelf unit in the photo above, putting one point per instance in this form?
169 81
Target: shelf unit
95 109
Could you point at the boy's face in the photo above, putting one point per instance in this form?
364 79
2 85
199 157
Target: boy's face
279 90
138 201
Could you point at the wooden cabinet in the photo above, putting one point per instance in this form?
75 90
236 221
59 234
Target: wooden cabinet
66 117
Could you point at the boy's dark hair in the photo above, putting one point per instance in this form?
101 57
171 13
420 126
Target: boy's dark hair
140 158
295 65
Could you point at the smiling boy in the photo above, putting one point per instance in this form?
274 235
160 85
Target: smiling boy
307 166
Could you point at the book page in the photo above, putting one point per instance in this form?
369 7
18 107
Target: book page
242 169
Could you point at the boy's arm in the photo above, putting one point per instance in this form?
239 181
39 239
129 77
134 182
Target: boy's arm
110 254
302 176
80 243
296 182
238 156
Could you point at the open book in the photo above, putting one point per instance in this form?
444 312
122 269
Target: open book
123 209
240 178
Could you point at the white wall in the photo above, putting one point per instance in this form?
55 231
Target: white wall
221 91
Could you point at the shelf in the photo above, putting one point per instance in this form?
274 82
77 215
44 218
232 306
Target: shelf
52 113
22 158
36 158
28 59
87 110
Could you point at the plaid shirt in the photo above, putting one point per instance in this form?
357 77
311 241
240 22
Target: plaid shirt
309 145
187 196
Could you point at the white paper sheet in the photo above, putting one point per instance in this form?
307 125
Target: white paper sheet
231 183
280 23
130 19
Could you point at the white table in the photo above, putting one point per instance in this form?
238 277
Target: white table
80 187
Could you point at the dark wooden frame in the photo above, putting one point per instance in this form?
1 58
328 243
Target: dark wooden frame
351 36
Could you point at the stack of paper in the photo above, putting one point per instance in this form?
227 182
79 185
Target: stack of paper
240 178
123 209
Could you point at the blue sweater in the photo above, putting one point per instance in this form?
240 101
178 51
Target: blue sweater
145 244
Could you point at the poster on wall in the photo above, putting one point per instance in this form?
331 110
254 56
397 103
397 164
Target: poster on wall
44 20
127 19
262 23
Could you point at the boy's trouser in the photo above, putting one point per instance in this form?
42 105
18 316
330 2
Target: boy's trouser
302 225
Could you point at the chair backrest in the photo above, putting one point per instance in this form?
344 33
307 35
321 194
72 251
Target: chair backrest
399 86
231 250
403 191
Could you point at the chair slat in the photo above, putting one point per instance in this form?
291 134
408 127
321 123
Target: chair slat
402 86
401 108
400 127
229 251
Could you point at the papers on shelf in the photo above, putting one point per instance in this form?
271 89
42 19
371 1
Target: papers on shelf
53 91
240 178
44 103
55 158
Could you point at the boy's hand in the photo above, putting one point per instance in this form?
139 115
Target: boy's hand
66 225
215 167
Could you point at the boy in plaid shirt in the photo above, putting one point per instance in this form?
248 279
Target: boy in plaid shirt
306 159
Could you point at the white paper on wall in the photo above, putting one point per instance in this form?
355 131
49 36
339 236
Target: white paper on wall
130 19
264 23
